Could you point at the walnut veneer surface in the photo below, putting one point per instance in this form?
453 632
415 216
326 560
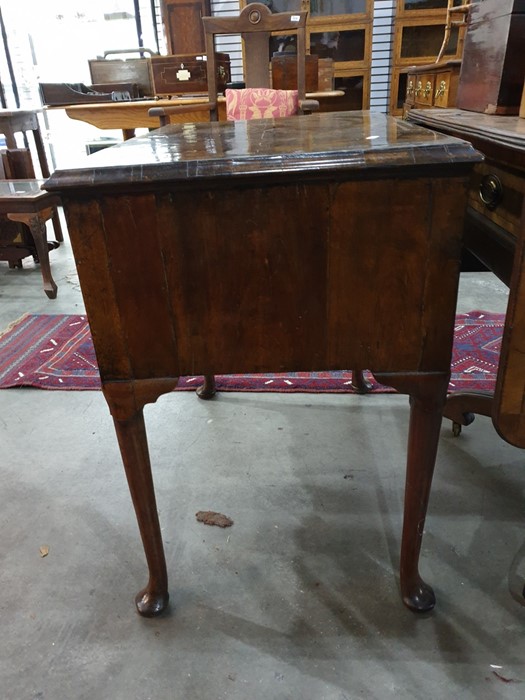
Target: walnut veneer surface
321 242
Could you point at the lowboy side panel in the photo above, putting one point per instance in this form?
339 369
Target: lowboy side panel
85 226
272 278
131 231
394 257
121 274
246 271
378 262
442 277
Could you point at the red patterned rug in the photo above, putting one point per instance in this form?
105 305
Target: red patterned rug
56 352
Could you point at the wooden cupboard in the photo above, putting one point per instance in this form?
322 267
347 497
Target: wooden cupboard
432 85
419 29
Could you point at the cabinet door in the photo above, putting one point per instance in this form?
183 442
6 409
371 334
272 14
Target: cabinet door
183 25
425 7
346 46
325 8
417 42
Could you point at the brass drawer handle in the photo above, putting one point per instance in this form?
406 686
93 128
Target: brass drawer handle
419 88
410 88
428 89
440 92
491 191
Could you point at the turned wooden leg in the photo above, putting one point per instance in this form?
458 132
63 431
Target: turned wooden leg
359 383
57 227
427 398
126 401
208 389
37 226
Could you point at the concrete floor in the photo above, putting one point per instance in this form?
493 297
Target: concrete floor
299 599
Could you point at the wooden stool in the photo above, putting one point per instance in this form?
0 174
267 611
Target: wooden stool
24 202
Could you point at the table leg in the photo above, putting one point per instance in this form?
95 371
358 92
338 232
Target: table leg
9 135
126 401
359 383
132 439
57 227
37 226
427 398
41 153
208 389
44 167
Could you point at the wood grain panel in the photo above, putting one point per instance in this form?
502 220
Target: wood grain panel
136 265
378 248
85 223
247 279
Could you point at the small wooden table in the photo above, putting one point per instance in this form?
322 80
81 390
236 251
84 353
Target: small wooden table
24 201
131 115
23 121
495 233
312 243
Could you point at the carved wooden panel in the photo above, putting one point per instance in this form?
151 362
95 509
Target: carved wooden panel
183 25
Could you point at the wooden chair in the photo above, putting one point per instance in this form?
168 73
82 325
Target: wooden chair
255 24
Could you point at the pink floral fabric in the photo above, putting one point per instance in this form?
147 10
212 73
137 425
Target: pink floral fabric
260 103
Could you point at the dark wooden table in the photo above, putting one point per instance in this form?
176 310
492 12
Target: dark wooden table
495 233
311 243
25 202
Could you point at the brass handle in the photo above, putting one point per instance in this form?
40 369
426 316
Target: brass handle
410 88
441 89
419 88
428 89
491 191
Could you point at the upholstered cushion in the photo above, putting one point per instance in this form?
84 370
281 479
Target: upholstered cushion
260 103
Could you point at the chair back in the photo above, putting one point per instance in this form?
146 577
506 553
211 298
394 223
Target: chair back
255 24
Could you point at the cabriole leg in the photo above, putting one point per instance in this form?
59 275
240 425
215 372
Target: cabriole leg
427 398
132 439
126 401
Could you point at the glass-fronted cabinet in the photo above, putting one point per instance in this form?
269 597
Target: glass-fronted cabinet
407 7
419 30
323 8
340 30
422 42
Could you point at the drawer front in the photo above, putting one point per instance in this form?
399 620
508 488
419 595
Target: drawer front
442 90
424 91
498 194
411 89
